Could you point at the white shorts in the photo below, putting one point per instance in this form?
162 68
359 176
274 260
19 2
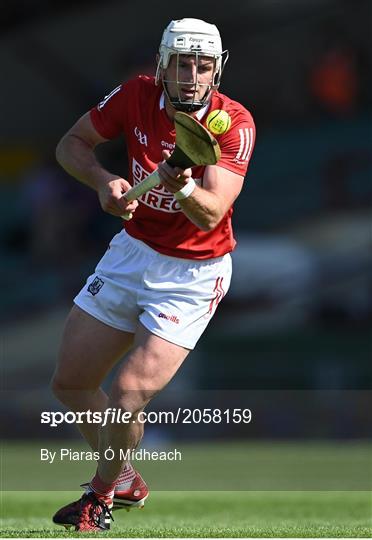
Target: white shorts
173 298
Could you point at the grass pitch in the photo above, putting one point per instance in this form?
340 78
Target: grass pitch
290 492
204 514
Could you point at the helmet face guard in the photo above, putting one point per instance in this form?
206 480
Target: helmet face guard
193 103
190 37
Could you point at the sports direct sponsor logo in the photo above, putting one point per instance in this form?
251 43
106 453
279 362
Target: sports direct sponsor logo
171 318
158 197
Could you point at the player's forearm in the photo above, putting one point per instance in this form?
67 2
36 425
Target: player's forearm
203 208
77 157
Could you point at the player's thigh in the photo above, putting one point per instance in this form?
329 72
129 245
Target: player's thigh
88 351
149 366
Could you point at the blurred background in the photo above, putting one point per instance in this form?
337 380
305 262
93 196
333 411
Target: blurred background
293 337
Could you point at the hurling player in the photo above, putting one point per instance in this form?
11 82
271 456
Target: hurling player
159 283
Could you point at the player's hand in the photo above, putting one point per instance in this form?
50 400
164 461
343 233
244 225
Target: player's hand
111 197
172 178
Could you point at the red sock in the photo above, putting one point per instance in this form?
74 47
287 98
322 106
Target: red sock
102 488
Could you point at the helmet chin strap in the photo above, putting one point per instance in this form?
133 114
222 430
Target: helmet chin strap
186 107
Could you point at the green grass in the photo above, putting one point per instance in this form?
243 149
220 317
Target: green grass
218 466
247 489
205 514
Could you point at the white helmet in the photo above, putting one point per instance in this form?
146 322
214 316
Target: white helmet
191 36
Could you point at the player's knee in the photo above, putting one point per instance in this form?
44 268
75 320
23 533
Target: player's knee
59 387
130 401
66 390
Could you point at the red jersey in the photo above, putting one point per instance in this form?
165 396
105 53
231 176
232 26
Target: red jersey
136 110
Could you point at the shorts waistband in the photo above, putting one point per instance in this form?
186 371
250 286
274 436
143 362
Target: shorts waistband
138 243
145 248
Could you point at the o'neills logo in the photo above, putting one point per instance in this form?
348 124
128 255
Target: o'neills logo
168 145
172 318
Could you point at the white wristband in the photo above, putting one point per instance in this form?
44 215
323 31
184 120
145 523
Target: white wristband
186 190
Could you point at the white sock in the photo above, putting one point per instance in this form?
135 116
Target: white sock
101 488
